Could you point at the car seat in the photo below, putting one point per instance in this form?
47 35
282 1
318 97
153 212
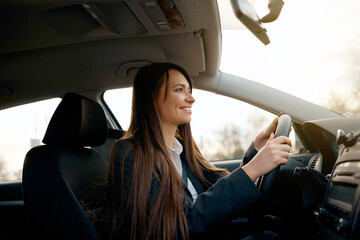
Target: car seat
58 176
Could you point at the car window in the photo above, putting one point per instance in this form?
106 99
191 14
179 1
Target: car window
305 44
22 128
222 127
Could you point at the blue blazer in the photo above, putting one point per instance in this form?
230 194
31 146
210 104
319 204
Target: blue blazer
227 198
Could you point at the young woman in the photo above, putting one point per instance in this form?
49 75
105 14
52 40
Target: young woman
160 186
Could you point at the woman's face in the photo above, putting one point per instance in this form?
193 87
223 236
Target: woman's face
175 108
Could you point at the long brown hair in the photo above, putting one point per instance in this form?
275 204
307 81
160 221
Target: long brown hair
151 163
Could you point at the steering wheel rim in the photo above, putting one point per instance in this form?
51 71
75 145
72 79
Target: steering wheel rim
266 182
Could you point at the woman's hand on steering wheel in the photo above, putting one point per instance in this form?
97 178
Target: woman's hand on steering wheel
265 166
275 152
262 138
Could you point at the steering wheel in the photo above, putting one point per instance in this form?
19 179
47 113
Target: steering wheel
265 182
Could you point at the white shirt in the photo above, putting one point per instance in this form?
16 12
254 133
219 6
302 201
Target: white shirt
176 151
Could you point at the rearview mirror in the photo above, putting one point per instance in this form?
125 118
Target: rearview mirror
245 12
275 7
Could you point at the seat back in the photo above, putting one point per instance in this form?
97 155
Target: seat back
58 176
105 149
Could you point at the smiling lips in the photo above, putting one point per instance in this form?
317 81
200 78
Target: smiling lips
186 109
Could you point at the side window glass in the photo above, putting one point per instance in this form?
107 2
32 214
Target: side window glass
222 127
119 102
22 128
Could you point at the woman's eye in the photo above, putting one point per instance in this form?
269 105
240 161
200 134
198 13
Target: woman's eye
178 90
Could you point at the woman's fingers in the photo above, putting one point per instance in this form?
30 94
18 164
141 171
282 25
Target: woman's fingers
278 150
275 152
261 139
283 140
271 128
272 136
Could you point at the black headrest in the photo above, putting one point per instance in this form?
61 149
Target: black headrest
77 121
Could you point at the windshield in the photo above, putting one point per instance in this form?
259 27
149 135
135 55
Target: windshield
314 51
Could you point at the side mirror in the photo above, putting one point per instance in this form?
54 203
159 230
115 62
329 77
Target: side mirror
245 12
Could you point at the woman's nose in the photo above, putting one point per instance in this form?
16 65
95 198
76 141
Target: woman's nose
190 98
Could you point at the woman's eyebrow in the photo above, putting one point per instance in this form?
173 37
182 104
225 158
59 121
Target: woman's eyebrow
179 84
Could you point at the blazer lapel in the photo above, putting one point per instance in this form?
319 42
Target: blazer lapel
196 182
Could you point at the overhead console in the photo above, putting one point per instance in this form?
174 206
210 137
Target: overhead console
339 216
164 14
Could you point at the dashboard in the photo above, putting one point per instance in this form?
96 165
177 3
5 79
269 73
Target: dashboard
338 141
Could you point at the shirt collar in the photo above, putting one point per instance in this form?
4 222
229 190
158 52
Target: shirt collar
178 148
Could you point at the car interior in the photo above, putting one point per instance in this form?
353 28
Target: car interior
57 177
77 50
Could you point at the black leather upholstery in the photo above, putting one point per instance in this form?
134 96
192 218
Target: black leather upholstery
58 176
112 136
77 121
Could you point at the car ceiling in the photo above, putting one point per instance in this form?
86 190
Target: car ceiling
51 47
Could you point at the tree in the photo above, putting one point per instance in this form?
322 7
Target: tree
256 121
230 143
232 137
348 102
347 105
4 175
